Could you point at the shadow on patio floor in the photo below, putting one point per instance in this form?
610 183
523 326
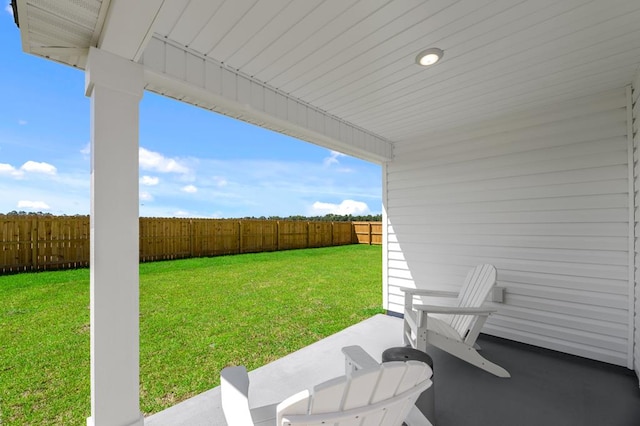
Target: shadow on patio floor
546 388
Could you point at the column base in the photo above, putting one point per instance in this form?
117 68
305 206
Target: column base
138 422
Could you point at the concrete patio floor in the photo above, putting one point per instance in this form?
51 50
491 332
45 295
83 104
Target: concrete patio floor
546 387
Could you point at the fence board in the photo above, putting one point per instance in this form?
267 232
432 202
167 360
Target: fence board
29 238
79 243
16 244
292 235
320 234
376 233
342 233
258 236
227 237
32 243
368 232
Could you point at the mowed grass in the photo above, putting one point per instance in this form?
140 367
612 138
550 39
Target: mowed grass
196 317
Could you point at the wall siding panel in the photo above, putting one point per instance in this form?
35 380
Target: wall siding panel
542 196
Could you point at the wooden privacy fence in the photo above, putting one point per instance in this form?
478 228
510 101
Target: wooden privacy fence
367 232
35 243
31 243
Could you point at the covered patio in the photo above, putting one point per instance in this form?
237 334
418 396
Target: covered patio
547 387
517 148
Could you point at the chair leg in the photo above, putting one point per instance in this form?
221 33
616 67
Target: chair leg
407 333
467 353
473 357
413 334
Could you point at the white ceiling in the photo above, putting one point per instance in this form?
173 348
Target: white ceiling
354 59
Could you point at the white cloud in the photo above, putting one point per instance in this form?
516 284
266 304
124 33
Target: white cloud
23 122
86 150
333 158
149 180
150 160
145 196
346 207
33 205
181 213
35 167
8 169
220 181
28 167
190 189
9 9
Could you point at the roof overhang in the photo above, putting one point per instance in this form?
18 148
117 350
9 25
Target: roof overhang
342 73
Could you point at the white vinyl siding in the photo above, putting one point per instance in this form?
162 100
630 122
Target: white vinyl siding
544 196
636 155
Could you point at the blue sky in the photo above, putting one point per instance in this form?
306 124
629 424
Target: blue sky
193 162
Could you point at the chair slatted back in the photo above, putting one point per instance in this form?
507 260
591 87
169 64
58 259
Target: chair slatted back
377 396
473 293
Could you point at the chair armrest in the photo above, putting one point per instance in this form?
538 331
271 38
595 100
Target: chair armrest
433 293
234 393
454 310
357 358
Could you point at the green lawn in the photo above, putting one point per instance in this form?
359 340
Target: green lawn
196 317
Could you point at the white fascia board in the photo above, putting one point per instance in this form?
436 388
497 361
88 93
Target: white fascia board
60 52
25 34
187 76
128 27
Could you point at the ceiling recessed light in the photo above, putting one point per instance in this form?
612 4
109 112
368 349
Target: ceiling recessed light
429 56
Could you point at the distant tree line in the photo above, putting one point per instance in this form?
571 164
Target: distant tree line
325 218
23 213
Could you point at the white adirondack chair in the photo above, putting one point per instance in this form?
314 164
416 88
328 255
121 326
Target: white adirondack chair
368 394
457 327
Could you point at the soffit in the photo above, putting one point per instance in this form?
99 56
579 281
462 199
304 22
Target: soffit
61 30
355 59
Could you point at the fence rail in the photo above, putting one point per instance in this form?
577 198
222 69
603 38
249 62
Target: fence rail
36 243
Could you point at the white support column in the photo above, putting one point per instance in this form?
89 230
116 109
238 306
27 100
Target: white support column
115 86
385 240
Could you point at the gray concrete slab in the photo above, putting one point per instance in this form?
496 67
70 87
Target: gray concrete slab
546 388
300 370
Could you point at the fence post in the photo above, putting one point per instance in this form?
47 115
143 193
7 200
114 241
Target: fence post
191 238
34 243
240 236
370 234
332 230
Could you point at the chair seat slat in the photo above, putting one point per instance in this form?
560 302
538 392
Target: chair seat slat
390 379
361 387
442 328
414 373
328 396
